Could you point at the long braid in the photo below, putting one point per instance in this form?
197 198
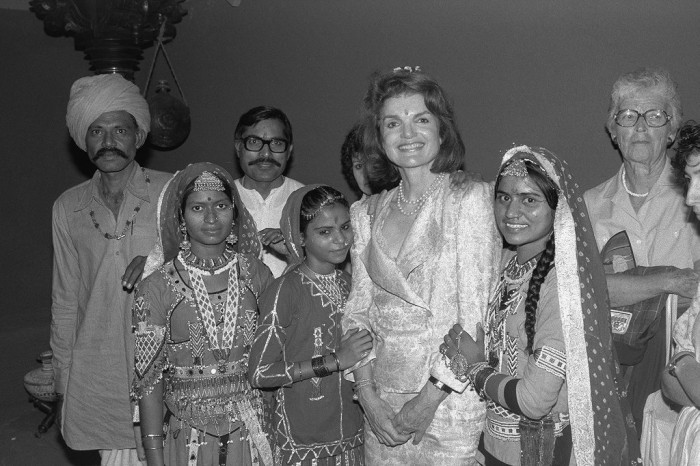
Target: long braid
542 268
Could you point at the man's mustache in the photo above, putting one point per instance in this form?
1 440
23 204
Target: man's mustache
114 150
264 160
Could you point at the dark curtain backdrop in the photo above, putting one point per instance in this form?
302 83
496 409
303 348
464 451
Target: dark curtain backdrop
535 72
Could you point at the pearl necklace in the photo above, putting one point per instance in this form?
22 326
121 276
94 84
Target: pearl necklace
421 200
624 185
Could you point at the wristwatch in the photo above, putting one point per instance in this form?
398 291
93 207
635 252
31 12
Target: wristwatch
674 363
439 385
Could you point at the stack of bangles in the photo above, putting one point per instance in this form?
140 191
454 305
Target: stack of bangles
479 374
157 439
359 385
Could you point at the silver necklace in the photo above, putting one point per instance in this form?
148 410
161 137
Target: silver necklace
624 185
418 203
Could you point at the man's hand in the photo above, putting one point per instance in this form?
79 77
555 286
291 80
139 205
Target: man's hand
133 272
380 415
683 282
273 239
417 414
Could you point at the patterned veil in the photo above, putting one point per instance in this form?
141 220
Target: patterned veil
169 235
593 375
289 224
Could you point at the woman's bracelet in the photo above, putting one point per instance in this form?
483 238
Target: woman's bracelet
144 437
337 361
483 393
318 364
359 385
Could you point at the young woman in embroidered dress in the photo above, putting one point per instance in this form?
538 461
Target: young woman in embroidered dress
549 375
299 347
194 321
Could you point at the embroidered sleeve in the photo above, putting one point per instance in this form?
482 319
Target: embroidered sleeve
149 327
545 372
268 365
477 266
551 360
360 299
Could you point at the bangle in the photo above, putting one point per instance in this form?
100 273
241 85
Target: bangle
483 393
144 437
153 448
318 364
439 385
337 361
479 380
359 385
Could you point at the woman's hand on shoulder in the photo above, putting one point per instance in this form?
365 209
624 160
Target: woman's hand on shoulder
355 345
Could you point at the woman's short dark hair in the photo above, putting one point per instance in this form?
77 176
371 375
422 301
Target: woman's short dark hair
189 189
400 82
315 200
688 144
352 146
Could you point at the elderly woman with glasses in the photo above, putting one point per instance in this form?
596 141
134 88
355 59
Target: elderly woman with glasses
644 200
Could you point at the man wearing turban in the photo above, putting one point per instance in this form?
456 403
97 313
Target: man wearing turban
99 227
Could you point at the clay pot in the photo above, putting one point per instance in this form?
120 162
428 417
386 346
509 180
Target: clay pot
39 382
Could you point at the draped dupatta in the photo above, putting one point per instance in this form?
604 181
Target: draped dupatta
169 201
601 433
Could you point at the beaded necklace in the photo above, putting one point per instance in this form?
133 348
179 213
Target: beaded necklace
624 185
129 223
418 203
205 309
211 266
513 277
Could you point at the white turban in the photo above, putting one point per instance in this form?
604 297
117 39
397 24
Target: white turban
92 96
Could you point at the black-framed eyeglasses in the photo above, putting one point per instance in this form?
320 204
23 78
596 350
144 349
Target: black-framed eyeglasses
255 144
655 118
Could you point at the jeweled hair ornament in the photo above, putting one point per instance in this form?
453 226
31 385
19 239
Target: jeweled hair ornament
330 199
515 168
407 68
207 181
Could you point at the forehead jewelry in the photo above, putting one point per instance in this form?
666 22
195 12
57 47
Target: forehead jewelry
208 182
515 168
330 199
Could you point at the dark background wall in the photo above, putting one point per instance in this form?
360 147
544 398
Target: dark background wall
536 72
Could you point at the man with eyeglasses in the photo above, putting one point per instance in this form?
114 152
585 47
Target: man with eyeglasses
263 146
